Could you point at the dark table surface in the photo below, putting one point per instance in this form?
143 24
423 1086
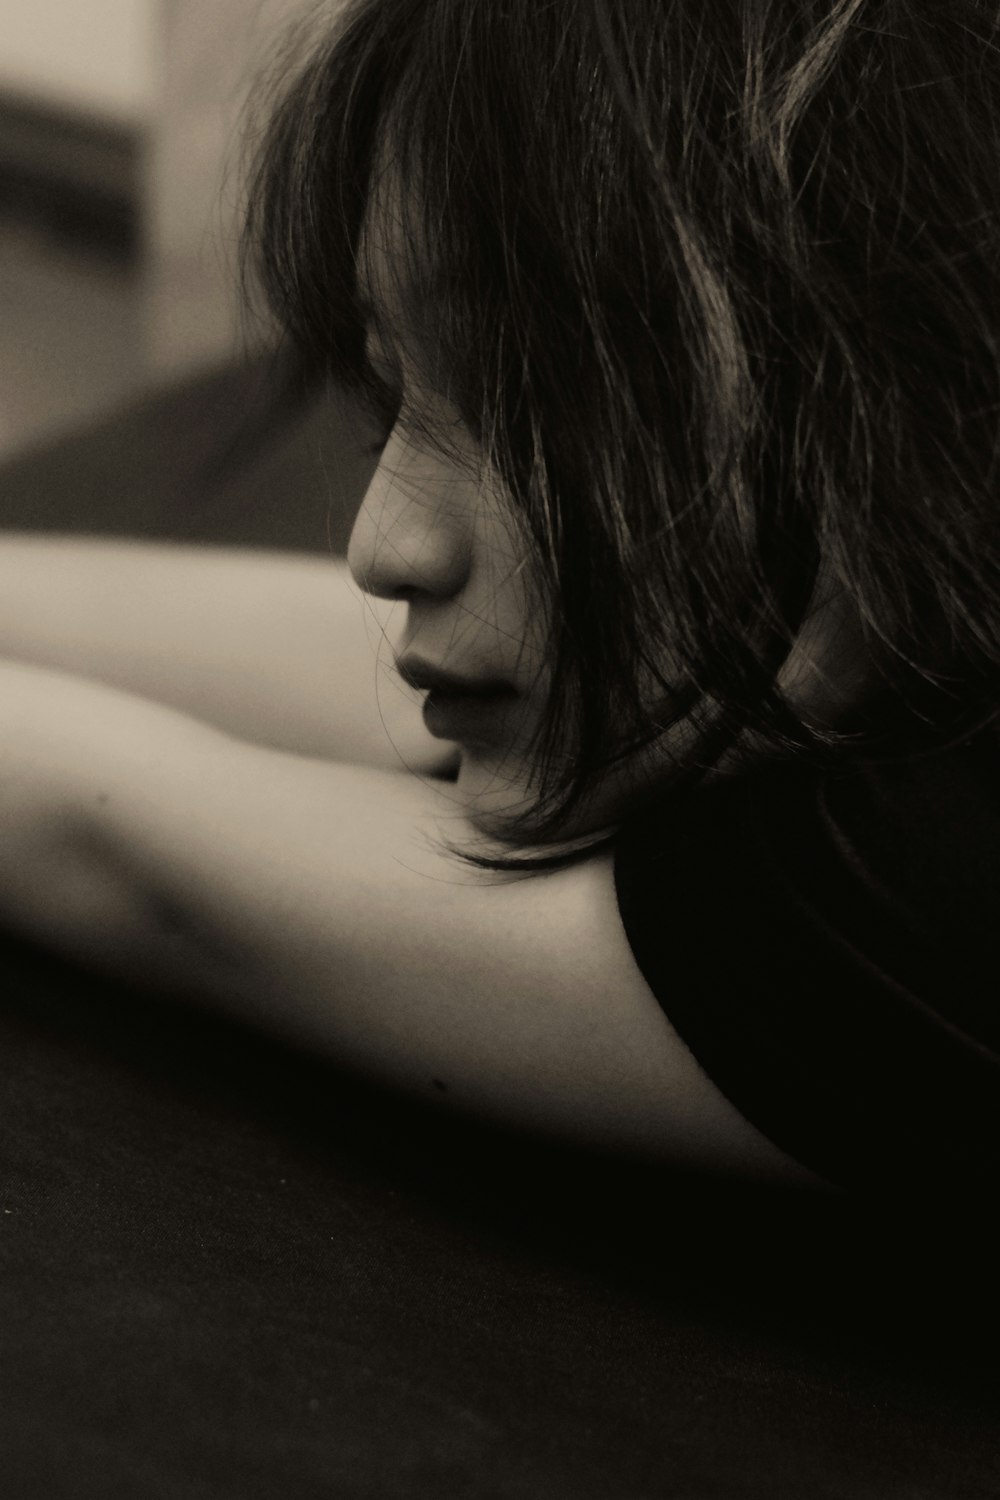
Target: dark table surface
228 1272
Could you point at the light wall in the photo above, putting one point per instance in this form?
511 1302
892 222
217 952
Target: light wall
180 71
89 55
212 52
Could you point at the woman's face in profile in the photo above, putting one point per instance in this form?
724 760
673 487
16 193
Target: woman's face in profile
435 534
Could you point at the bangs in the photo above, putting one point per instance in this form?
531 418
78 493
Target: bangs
365 218
309 187
412 182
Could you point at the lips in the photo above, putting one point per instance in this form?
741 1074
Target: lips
465 709
427 678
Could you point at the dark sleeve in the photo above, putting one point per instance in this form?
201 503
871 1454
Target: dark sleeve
827 946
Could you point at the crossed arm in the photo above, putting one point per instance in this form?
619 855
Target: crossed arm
199 781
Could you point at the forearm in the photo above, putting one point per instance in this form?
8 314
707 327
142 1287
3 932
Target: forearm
278 649
72 752
164 852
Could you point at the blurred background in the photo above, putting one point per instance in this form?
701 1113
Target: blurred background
119 197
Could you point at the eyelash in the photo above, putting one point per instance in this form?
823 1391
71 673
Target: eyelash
379 387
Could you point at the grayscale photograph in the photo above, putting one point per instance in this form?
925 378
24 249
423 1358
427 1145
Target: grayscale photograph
499 749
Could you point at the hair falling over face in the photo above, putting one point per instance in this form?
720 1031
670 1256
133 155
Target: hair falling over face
709 292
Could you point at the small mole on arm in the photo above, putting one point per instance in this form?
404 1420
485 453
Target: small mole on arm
102 798
439 1085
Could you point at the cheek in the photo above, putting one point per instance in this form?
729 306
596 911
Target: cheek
506 595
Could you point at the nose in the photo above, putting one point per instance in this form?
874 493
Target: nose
409 537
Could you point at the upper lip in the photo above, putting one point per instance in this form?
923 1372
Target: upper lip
427 678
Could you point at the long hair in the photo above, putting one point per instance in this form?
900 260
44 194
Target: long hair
716 289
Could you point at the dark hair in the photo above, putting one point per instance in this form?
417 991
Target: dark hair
716 287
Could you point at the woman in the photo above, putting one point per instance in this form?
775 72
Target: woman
676 326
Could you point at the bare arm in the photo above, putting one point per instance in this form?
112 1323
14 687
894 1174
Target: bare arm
277 648
317 900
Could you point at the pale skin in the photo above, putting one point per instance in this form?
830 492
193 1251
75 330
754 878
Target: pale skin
205 776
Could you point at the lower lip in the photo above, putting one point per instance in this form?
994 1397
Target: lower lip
468 718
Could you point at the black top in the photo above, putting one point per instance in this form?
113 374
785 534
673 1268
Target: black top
827 945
